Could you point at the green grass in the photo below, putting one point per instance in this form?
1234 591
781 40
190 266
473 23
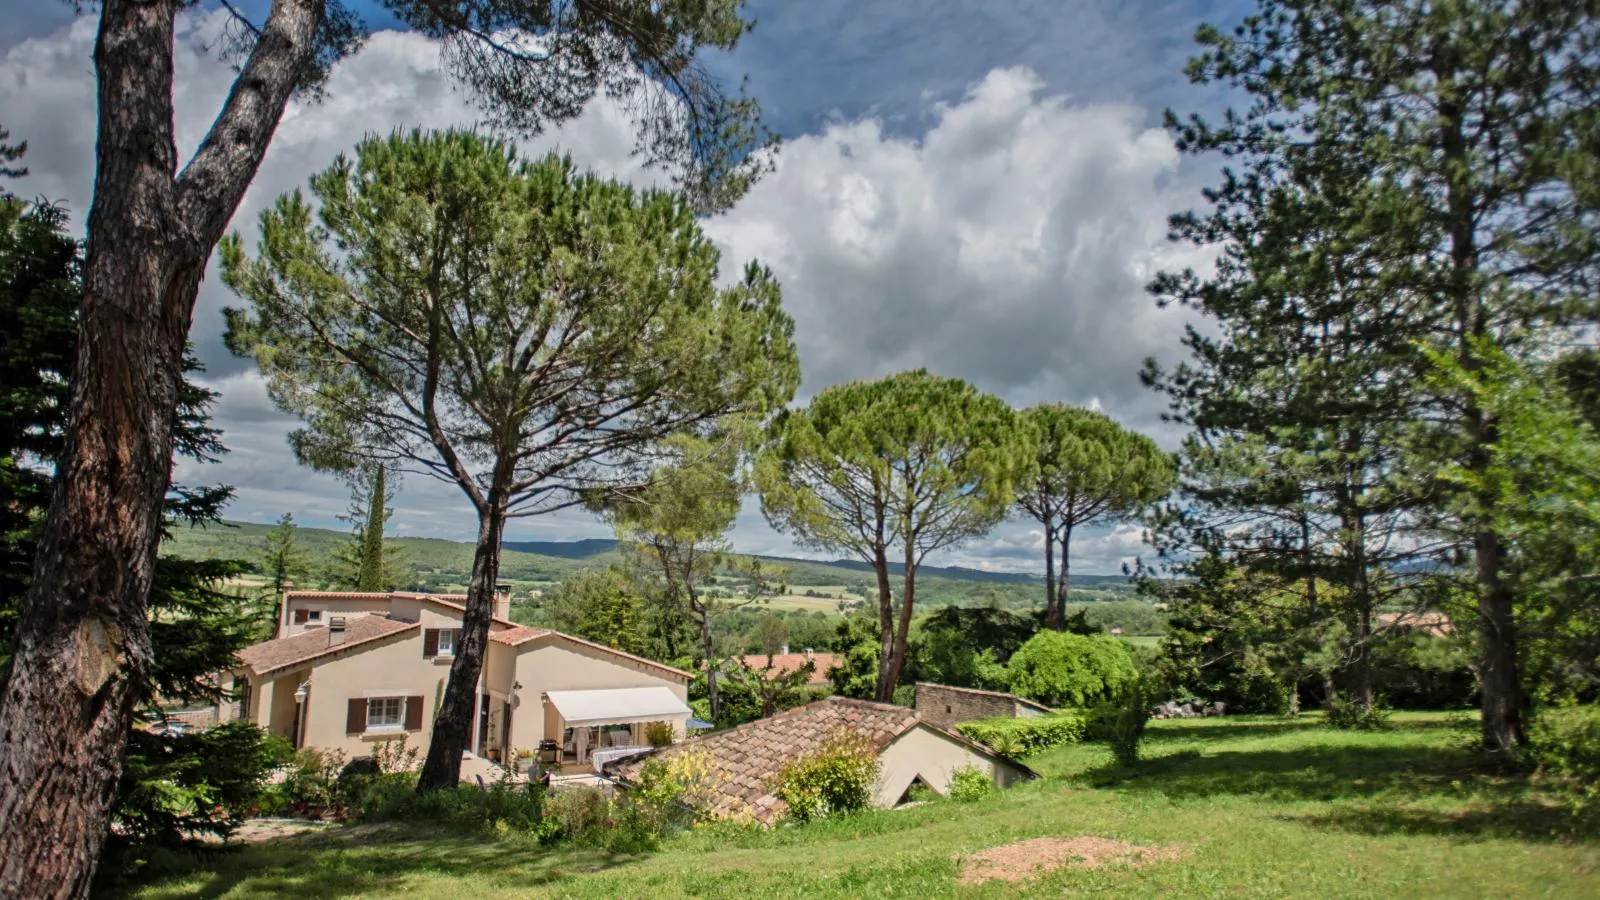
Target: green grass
1259 808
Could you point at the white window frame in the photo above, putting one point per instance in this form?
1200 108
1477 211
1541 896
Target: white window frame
447 642
378 714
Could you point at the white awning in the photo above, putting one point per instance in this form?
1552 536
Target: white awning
617 706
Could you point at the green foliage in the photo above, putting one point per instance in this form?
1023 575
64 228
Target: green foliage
367 560
966 647
834 780
1120 720
601 605
1350 714
180 786
498 808
855 663
1565 745
1016 738
967 785
658 734
280 558
1064 669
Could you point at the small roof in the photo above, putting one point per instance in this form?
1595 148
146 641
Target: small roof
522 634
281 653
784 663
617 706
979 691
746 760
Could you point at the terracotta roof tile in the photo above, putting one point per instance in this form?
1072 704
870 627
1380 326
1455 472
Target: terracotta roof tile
745 760
270 656
784 663
519 634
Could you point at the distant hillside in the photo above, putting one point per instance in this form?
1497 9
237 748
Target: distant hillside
444 563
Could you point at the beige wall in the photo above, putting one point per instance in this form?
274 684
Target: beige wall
552 664
388 667
924 751
329 607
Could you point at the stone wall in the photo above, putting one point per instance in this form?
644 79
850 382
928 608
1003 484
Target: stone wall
944 706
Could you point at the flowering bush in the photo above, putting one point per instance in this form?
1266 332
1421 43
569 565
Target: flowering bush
837 778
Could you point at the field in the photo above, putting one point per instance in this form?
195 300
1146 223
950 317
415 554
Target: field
1238 807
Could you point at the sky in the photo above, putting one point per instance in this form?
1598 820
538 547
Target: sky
980 189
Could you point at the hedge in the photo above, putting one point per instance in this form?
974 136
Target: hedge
1021 737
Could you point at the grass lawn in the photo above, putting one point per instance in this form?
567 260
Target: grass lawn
1253 807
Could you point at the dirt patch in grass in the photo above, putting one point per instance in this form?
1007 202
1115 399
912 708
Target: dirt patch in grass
1025 859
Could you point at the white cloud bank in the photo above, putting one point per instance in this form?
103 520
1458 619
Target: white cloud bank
1008 245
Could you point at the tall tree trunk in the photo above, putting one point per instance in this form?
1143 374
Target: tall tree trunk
890 676
1049 572
452 729
82 643
1499 679
707 648
884 691
1060 623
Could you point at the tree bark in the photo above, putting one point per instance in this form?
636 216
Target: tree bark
1049 572
83 644
880 565
1060 623
711 668
452 728
889 671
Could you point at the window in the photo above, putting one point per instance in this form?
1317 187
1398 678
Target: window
302 616
314 614
447 642
439 642
385 713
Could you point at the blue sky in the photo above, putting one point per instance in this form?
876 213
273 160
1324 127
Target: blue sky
979 188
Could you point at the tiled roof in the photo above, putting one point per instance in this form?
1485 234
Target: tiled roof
746 760
983 693
270 656
519 634
784 663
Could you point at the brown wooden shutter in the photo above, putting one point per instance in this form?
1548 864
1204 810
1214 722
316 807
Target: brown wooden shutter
413 713
355 717
301 615
430 643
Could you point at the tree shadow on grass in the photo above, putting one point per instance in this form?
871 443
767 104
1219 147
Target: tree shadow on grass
1531 818
1368 789
360 860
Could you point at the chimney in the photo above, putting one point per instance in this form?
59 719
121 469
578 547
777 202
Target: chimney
785 650
502 601
335 630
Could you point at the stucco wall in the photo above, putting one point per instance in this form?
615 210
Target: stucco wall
945 706
329 607
924 751
557 665
388 667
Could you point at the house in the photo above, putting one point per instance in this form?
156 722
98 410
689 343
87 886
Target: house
785 662
745 761
349 669
1434 624
945 706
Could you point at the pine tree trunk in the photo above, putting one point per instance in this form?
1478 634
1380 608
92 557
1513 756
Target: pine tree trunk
1498 676
1049 573
890 676
82 642
1060 623
452 729
711 668
880 565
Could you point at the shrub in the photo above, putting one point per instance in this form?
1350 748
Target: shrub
835 779
578 814
1349 714
1014 738
968 784
311 788
1121 721
658 734
1064 669
176 786
1565 746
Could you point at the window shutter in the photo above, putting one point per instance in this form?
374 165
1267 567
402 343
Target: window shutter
430 643
355 719
301 615
413 713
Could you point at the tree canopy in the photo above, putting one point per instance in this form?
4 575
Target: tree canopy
528 332
914 460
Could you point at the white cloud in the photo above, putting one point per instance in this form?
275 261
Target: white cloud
1008 244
